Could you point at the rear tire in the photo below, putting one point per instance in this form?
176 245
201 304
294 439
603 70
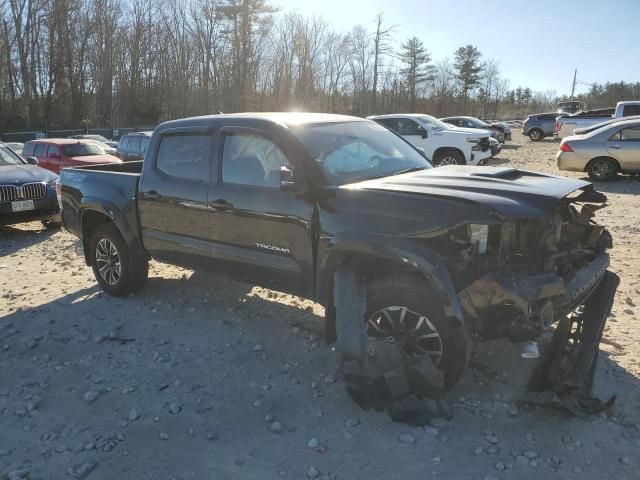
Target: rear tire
602 169
448 157
412 293
118 271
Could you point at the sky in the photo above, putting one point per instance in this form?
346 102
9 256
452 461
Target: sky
537 43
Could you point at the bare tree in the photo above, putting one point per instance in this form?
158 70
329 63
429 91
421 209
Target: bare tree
381 47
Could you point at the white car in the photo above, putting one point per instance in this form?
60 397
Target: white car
566 124
444 144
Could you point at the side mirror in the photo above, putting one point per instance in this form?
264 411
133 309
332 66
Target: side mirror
32 160
423 133
286 179
53 155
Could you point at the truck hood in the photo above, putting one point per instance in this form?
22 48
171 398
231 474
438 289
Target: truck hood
95 159
19 174
470 132
508 192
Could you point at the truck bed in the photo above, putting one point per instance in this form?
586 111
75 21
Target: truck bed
110 189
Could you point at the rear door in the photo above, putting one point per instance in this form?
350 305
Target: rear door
172 197
625 147
259 232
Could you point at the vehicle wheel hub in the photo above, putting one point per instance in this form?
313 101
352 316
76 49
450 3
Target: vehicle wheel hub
108 261
448 161
602 169
414 332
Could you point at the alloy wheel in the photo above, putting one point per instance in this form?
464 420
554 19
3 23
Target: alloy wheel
414 332
602 169
448 160
108 261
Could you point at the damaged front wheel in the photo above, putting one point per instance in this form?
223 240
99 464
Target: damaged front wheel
402 309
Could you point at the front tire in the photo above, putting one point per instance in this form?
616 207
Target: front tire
602 169
422 328
117 270
536 135
448 157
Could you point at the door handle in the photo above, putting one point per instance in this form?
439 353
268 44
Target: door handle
616 146
152 195
221 204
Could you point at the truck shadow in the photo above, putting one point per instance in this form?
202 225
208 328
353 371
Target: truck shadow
622 184
14 238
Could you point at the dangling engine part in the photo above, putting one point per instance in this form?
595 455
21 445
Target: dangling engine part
568 366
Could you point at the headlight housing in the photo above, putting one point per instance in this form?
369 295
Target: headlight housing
478 235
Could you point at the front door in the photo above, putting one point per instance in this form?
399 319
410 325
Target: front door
259 232
624 146
172 198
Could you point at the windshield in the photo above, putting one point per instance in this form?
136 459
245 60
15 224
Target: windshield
8 157
82 149
433 122
99 138
349 152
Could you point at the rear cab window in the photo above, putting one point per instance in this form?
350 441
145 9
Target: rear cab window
39 150
185 156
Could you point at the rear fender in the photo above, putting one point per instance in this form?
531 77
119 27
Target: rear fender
401 253
114 215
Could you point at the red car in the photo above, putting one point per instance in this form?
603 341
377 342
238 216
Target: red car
56 153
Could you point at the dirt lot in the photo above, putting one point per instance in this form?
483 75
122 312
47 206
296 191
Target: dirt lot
197 377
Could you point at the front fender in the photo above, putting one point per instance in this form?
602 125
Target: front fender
404 253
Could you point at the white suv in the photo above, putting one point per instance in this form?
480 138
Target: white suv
442 143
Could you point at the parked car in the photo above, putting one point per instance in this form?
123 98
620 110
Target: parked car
97 138
105 148
15 146
27 192
504 126
539 126
496 130
604 152
585 130
56 153
330 207
133 146
566 124
440 142
495 145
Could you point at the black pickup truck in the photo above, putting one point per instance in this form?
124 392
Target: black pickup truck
343 211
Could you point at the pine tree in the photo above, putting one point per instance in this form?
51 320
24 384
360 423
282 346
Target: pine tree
468 68
418 68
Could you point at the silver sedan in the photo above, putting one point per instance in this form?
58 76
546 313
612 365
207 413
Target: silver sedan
604 152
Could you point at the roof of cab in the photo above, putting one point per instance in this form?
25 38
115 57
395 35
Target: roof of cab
61 141
282 118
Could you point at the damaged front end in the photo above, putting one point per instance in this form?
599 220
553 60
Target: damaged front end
536 272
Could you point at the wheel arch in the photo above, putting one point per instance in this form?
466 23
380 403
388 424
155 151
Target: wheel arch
600 157
370 257
441 150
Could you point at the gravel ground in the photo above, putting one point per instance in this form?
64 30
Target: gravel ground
189 379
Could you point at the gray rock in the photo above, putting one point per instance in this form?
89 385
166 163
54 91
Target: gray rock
431 431
133 415
478 450
577 469
512 410
493 450
312 472
351 422
522 460
313 443
500 466
212 435
625 460
530 454
175 408
567 439
491 439
164 436
276 427
406 438
18 474
91 395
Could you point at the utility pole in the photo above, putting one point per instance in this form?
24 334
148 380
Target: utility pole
573 87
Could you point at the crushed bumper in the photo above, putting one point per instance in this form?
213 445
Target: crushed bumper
522 306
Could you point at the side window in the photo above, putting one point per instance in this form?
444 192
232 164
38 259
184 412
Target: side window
185 156
630 134
39 150
391 123
134 143
249 159
144 143
52 149
124 142
409 127
630 110
27 151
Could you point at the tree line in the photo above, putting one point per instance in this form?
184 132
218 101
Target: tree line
67 63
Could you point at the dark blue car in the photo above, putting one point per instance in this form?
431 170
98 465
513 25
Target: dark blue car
27 192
